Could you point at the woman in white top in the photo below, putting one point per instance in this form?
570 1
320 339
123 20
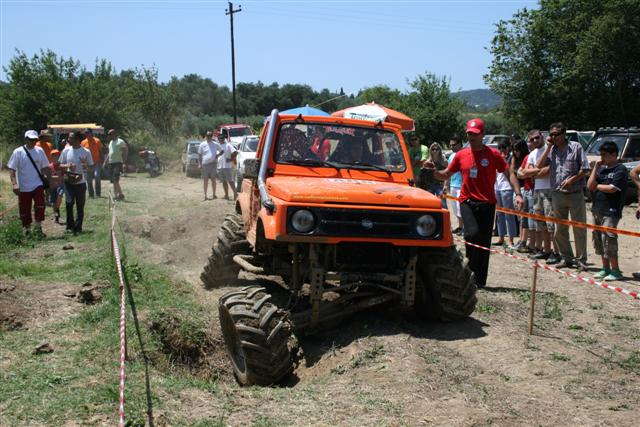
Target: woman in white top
504 195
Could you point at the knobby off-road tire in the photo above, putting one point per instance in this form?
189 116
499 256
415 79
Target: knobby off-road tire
258 336
220 269
445 286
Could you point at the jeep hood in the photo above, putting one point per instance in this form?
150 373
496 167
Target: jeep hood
341 191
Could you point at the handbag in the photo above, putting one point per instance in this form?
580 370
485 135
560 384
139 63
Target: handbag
72 177
45 181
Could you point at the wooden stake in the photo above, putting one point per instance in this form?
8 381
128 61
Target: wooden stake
532 306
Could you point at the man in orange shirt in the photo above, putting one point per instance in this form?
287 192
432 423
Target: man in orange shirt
94 145
44 142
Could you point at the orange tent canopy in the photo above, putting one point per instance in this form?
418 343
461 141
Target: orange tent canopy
374 112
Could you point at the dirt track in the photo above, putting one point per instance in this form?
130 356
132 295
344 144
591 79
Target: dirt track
581 367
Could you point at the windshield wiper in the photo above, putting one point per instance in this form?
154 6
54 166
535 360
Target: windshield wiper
312 162
365 165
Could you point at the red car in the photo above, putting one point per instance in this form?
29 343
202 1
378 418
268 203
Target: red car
234 132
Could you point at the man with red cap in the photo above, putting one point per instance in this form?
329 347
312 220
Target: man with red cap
479 166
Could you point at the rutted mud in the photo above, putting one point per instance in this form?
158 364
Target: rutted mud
25 305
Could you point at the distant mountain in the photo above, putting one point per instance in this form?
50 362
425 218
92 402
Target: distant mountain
483 99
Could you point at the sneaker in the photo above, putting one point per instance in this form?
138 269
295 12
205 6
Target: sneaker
541 255
554 258
518 245
580 265
602 273
565 264
460 232
456 230
614 275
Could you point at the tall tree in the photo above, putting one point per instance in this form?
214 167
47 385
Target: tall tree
434 109
570 60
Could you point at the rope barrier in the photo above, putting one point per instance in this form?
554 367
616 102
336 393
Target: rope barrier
123 336
558 220
591 281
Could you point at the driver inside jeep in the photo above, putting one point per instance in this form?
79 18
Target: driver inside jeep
351 149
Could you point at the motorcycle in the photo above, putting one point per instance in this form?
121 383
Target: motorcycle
152 163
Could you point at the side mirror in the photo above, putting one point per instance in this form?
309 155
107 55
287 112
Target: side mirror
251 168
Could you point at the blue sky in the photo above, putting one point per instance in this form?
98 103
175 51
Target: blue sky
326 44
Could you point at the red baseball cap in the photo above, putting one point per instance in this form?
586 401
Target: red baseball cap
475 125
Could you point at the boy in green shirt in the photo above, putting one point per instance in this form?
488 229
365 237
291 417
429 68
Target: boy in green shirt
418 153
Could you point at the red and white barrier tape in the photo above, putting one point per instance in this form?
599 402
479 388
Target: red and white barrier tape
116 254
591 281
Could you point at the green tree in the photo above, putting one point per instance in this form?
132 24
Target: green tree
382 95
434 109
574 61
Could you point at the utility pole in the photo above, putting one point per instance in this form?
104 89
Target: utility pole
230 12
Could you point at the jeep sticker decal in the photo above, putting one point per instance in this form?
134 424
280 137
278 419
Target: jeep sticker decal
352 181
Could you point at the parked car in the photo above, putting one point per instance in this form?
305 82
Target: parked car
493 140
234 132
583 137
627 140
247 150
190 158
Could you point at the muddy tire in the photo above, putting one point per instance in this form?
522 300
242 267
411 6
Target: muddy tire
257 335
220 269
445 286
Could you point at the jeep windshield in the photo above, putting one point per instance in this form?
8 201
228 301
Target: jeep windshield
193 148
340 147
594 147
242 131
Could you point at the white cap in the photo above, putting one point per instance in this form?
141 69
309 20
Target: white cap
31 134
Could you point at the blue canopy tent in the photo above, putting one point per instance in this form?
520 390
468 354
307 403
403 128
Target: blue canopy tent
306 111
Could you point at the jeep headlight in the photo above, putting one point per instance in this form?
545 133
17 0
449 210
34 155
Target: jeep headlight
303 221
426 226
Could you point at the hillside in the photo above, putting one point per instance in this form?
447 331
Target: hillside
483 99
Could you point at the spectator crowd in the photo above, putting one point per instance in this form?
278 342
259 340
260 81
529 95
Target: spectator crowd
42 175
546 177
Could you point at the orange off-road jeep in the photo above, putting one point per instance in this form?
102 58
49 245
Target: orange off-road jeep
330 205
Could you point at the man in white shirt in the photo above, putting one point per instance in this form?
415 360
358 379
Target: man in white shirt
542 200
208 153
27 166
225 166
77 160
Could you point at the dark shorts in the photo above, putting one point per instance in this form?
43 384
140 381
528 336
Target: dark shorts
116 170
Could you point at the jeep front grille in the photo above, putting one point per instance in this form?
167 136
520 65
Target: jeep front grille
366 223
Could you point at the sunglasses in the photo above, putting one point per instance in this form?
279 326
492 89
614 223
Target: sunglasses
556 134
533 138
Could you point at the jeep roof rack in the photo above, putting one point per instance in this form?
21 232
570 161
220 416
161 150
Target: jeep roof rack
608 129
